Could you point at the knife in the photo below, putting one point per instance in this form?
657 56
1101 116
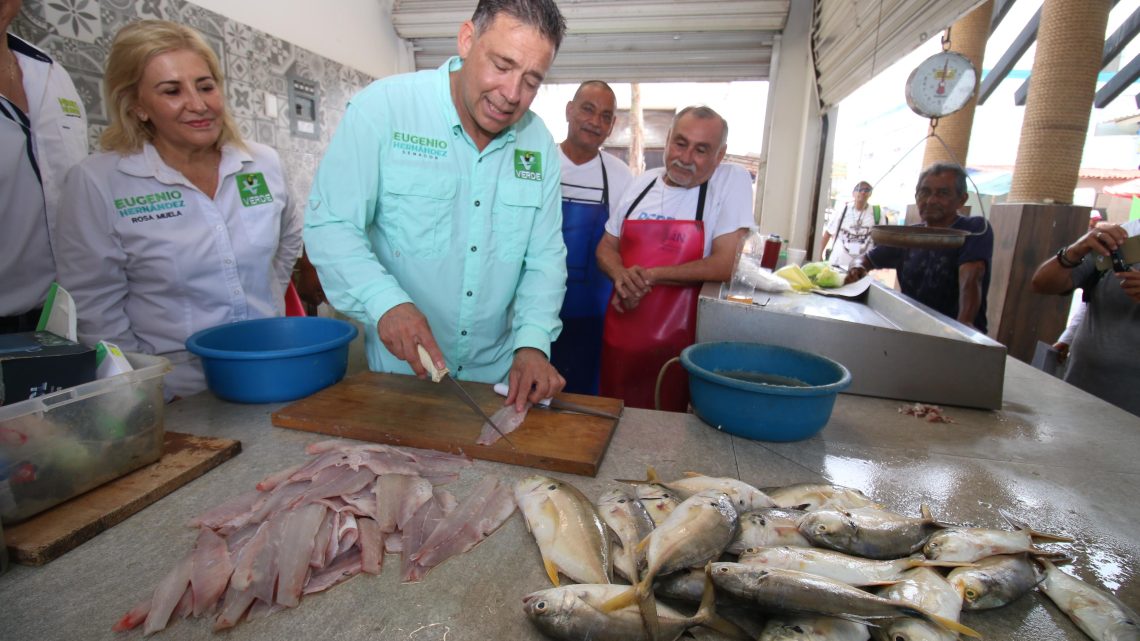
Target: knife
440 374
557 404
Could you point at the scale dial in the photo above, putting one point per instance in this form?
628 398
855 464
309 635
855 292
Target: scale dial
941 85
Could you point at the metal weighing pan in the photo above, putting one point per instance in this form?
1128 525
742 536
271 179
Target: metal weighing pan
912 237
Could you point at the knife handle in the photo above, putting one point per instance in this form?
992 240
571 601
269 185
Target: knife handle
425 360
501 389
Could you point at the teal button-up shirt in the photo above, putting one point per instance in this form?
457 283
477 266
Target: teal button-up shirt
405 208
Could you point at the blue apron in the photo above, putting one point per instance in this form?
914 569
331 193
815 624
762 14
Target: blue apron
577 352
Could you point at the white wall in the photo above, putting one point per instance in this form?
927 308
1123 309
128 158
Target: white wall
357 33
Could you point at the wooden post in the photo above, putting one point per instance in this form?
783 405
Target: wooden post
636 131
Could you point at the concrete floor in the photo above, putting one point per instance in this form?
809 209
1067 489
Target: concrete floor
1053 456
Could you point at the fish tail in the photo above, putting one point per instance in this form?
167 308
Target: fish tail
1034 534
706 615
647 604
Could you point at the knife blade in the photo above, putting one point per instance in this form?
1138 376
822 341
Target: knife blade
438 375
558 404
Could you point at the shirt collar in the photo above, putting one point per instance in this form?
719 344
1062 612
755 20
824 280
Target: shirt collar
148 164
455 63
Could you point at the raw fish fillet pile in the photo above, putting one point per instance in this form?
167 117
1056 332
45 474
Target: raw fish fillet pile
313 526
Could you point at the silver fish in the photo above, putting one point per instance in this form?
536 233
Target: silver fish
813 628
626 516
768 527
820 496
996 581
571 537
869 532
926 589
972 544
852 570
1101 615
658 500
803 593
744 496
574 613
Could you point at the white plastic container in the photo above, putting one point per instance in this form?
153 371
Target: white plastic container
60 445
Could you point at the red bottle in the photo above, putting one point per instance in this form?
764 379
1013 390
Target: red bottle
771 252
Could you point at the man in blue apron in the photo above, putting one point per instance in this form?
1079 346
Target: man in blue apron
592 183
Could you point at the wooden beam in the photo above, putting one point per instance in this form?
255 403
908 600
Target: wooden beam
1119 83
1016 50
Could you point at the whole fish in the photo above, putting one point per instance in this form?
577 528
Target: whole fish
803 593
869 532
626 516
1101 615
694 534
744 497
852 570
768 527
658 500
574 613
972 544
926 589
995 581
813 628
571 537
820 496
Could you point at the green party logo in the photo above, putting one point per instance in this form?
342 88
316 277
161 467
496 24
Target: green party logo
253 189
528 164
69 107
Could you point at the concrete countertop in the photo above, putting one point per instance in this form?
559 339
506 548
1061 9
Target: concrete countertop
1054 457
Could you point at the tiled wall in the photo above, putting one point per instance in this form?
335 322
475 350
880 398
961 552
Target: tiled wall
78 34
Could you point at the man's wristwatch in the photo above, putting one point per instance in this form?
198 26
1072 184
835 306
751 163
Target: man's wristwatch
1064 260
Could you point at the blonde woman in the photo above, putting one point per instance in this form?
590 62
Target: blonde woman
179 224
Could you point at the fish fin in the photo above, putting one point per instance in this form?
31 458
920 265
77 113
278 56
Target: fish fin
929 563
651 475
878 584
726 628
639 549
647 604
954 626
926 513
1033 534
692 474
551 571
625 599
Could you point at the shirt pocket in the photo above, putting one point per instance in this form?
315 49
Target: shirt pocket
513 215
262 224
416 211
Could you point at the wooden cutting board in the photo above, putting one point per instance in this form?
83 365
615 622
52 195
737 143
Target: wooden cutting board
64 527
404 410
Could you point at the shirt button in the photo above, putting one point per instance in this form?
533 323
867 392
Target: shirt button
459 369
470 293
219 227
229 261
474 248
237 291
463 333
476 203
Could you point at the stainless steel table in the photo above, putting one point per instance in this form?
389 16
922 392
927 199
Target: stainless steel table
1053 456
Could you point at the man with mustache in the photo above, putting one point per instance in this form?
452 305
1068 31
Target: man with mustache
592 182
434 216
675 228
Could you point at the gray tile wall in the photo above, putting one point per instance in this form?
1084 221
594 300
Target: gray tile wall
78 34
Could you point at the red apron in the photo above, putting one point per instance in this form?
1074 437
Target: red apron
636 343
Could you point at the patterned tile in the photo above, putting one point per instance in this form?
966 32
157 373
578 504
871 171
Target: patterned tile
77 19
237 68
246 127
204 20
276 53
239 39
266 133
243 100
90 88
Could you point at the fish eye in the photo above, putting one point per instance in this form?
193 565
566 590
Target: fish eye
821 528
899 637
552 486
621 500
797 629
540 606
971 594
722 570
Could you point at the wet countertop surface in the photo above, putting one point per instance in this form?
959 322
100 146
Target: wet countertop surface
1053 456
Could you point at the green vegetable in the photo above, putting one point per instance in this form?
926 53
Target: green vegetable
811 269
828 278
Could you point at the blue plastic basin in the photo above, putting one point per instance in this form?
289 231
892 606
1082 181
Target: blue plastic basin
753 402
273 359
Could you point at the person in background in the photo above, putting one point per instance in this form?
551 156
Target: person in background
851 231
592 183
43 133
179 225
1107 343
954 282
434 216
1078 311
675 228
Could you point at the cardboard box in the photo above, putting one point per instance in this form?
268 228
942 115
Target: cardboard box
37 363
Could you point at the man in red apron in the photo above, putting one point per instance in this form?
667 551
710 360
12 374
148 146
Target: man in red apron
677 227
592 183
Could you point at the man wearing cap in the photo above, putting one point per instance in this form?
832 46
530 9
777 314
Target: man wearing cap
852 228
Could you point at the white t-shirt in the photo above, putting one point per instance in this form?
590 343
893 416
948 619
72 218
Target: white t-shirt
728 203
856 236
584 182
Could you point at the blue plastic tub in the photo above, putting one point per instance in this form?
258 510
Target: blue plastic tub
772 393
273 359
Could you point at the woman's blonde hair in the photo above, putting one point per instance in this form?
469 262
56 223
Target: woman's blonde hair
132 49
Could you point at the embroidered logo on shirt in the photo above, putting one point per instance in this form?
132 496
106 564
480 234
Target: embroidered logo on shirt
528 165
69 107
416 145
253 189
157 202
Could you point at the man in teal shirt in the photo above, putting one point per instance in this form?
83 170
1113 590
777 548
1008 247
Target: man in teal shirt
435 216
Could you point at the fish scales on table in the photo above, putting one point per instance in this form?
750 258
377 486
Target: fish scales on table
768 527
925 588
869 532
852 570
313 526
802 593
996 581
572 538
1098 613
629 520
